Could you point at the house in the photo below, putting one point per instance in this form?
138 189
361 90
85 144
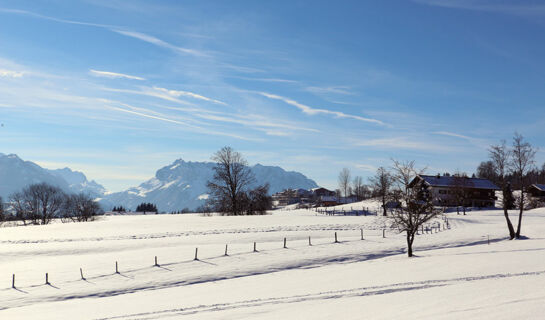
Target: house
324 197
537 191
286 197
449 190
327 201
322 192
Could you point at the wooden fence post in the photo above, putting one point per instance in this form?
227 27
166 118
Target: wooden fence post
309 243
361 233
383 233
81 274
46 278
196 254
285 247
226 250
13 281
336 238
116 269
156 264
255 247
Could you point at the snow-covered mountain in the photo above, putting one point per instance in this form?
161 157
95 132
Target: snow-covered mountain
183 185
15 174
77 182
174 187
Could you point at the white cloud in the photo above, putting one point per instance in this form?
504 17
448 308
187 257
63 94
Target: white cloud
366 167
455 135
158 42
179 93
165 118
10 73
146 91
325 90
114 75
513 8
401 143
118 29
265 79
312 111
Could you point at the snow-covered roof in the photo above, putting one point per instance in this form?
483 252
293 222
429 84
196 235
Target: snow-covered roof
540 187
450 181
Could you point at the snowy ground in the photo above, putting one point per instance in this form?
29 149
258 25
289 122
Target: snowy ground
456 273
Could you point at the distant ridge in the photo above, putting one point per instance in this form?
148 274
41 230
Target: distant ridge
15 174
179 185
182 184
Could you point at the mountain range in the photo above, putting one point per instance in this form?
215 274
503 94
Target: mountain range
179 185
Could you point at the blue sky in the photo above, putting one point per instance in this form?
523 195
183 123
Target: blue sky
118 89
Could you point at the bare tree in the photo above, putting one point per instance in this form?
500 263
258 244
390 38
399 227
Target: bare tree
381 184
411 215
359 189
231 179
522 161
81 207
18 206
45 200
344 181
38 203
488 170
403 173
259 200
499 161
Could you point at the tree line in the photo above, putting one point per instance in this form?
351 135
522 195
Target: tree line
41 203
146 207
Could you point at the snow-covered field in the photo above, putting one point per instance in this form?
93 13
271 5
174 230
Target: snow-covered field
455 275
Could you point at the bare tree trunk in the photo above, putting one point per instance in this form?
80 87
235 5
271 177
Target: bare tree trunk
509 224
517 235
409 244
384 205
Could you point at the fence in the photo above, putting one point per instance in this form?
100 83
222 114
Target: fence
430 228
344 212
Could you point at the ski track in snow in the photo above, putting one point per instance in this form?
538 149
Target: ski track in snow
318 227
183 272
213 276
347 293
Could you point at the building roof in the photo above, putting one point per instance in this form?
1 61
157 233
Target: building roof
450 181
540 187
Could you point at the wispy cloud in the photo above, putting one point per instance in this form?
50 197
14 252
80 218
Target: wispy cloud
277 80
506 7
10 73
402 143
366 167
166 118
180 93
479 142
158 42
329 90
313 111
455 135
118 29
150 92
108 74
40 16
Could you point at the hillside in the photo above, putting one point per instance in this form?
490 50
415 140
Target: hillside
455 275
